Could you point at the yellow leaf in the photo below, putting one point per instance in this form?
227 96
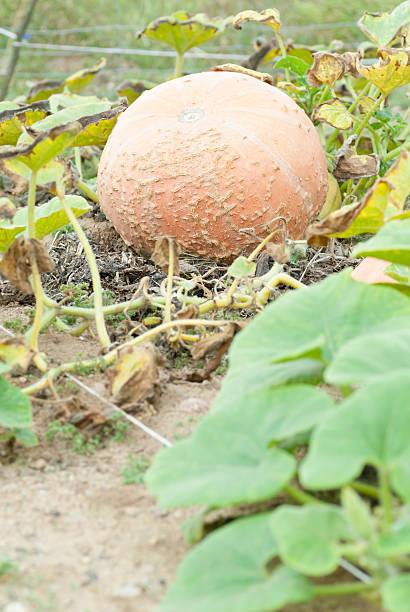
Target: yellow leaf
270 16
334 113
15 353
326 70
390 72
333 198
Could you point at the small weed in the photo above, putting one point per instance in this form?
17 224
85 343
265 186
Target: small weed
7 569
114 429
133 473
16 325
83 370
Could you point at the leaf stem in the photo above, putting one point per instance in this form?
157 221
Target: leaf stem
178 65
35 328
385 496
77 158
343 588
31 228
365 489
300 496
91 195
283 52
96 280
396 152
369 114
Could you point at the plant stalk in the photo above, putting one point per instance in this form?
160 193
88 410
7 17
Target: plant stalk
178 65
342 588
385 496
91 195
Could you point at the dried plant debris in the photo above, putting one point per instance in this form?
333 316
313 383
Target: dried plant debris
17 263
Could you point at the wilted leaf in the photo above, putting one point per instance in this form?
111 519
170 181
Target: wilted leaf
222 338
327 69
132 90
7 209
270 16
384 28
241 268
351 60
349 165
48 217
279 252
261 76
43 147
161 253
334 113
71 113
191 311
74 83
16 263
333 198
15 353
365 104
97 128
135 375
390 72
13 121
182 31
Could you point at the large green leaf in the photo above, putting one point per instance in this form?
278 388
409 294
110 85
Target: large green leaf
383 28
308 538
182 31
371 427
230 571
48 218
229 458
396 593
392 243
15 407
315 321
369 356
396 542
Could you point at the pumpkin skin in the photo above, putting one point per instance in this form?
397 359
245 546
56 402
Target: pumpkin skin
211 159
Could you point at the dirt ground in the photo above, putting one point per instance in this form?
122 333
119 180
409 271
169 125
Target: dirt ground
79 538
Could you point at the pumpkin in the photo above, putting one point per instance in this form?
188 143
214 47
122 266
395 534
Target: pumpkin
211 159
371 270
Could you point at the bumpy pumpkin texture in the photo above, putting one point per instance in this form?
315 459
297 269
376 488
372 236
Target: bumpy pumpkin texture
211 159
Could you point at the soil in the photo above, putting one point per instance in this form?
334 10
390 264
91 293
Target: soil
80 539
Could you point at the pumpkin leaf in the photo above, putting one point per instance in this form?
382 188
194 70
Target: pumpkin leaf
229 571
13 120
397 541
71 113
182 31
334 113
384 28
396 593
308 538
15 406
391 71
383 202
392 243
74 83
63 100
270 16
241 268
36 151
371 427
48 218
16 263
326 70
295 64
133 89
365 104
15 353
349 165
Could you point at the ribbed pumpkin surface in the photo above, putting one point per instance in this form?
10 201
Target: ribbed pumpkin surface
211 159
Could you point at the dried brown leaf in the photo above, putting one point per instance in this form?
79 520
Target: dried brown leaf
16 263
135 375
161 252
7 209
278 252
348 164
215 341
326 70
189 312
261 76
336 222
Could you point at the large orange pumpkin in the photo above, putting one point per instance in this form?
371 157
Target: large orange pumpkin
211 159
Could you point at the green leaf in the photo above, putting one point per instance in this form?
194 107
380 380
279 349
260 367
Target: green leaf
369 356
371 427
396 593
15 406
323 317
64 100
358 514
229 571
241 267
308 538
48 218
392 243
229 458
396 542
182 31
383 28
296 64
399 273
71 113
25 436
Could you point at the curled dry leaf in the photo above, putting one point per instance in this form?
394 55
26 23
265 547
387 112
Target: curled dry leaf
271 16
135 375
350 165
15 353
161 252
16 263
326 70
131 90
189 312
334 113
261 76
335 223
279 252
351 60
365 104
218 344
7 209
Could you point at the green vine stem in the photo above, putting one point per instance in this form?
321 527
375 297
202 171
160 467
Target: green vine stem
35 328
300 496
98 301
351 108
385 496
178 65
283 52
365 489
171 264
91 195
396 152
369 114
344 588
31 228
107 359
77 158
